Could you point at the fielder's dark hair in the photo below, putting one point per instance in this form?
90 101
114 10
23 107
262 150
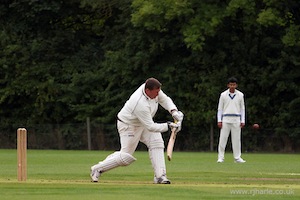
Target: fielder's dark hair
232 80
152 83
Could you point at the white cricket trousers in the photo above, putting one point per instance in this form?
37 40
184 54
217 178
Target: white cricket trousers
130 136
235 130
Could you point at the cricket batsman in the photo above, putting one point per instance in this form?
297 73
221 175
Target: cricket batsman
135 124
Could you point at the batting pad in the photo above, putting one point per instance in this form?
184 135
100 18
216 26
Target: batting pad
114 160
124 159
158 161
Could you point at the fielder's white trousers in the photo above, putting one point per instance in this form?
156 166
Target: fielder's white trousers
130 136
235 130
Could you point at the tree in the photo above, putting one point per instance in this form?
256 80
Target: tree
63 61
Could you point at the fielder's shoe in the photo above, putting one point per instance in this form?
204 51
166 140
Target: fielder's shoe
95 174
162 180
239 160
220 160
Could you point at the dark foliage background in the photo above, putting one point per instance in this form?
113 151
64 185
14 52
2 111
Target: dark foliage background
64 61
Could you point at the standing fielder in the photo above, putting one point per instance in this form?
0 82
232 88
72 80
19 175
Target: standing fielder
231 118
135 123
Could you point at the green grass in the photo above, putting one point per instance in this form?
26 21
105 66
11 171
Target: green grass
64 175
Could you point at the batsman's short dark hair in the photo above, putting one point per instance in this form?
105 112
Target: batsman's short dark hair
152 83
232 80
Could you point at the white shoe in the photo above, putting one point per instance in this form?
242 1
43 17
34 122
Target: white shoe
220 160
239 160
162 180
95 174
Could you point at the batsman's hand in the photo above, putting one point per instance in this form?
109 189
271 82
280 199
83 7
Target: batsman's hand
179 126
173 125
177 116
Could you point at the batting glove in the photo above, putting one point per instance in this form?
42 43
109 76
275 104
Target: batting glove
179 126
177 116
173 125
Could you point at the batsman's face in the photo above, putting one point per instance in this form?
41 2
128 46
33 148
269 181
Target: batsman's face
152 93
232 87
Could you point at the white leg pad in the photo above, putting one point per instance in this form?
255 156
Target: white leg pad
114 160
157 157
124 159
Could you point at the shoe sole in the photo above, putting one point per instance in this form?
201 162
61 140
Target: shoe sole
167 182
161 181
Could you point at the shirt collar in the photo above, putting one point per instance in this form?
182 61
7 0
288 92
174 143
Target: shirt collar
144 93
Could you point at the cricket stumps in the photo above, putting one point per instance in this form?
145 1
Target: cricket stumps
22 153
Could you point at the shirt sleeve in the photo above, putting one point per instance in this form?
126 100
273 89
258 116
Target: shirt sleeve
219 115
220 109
144 116
243 116
243 113
166 102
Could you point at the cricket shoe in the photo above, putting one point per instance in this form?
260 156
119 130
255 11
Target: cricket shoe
239 160
95 174
162 180
220 160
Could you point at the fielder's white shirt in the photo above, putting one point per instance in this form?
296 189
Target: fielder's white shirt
140 109
231 108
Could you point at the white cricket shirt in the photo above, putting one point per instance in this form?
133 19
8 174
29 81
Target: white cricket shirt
231 107
140 109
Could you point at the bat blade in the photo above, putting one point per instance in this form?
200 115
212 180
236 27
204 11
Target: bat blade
171 144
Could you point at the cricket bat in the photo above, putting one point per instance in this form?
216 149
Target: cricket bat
171 144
